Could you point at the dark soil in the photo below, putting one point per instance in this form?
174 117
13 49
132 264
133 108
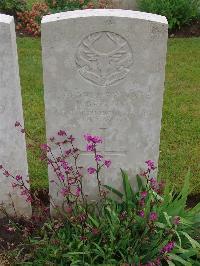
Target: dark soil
3 260
10 239
193 200
192 30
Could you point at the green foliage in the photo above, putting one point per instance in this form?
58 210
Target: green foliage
114 233
178 12
65 5
11 7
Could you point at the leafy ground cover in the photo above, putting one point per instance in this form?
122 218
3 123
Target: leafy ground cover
152 226
31 2
180 135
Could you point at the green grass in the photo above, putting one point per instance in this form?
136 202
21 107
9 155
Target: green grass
30 64
180 135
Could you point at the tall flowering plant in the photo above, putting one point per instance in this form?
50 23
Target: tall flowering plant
66 166
149 227
62 156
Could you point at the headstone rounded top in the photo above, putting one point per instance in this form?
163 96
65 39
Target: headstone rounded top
6 18
104 13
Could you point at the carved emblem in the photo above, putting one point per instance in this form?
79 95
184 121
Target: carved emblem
104 58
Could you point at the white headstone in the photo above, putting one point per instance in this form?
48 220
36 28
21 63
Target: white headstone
104 74
12 144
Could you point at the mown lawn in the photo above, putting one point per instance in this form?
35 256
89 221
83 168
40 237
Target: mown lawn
30 63
180 135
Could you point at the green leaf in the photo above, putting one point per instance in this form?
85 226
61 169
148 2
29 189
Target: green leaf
179 238
185 190
115 191
167 217
95 222
196 209
170 263
75 253
140 183
129 194
179 259
193 242
160 225
99 249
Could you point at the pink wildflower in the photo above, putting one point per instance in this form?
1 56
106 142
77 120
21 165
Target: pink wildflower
64 191
168 248
71 138
45 147
62 133
154 184
141 213
29 199
83 238
94 139
71 181
98 157
91 170
143 194
141 202
78 191
17 124
150 165
90 147
6 173
18 177
64 165
153 216
75 150
68 152
62 177
176 220
25 192
95 231
107 163
14 185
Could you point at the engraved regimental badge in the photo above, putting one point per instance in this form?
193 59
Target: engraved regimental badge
104 58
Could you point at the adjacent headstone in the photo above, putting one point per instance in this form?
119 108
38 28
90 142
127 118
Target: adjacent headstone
104 74
125 4
12 144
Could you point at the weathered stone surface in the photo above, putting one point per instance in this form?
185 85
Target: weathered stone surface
125 4
104 74
12 143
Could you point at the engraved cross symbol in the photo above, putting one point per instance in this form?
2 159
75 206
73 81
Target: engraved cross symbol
104 151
